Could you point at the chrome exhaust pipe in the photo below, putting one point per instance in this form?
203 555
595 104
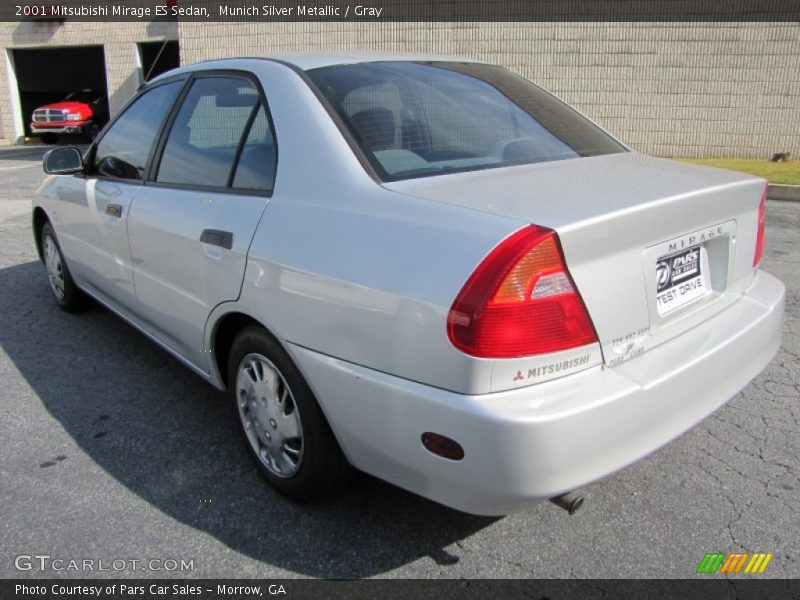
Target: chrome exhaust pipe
571 501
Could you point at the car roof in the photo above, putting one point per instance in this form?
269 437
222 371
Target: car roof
313 60
308 61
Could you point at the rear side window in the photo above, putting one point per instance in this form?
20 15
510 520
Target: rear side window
205 138
256 167
124 149
413 119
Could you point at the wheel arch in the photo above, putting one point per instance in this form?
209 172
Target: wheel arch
224 332
39 218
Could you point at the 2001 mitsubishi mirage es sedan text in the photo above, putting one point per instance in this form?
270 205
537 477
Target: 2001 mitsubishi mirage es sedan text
427 269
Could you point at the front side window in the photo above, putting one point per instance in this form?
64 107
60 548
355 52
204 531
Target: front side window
124 149
413 119
204 140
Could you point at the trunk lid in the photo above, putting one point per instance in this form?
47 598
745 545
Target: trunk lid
624 220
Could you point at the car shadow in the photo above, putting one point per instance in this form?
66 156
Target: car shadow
170 439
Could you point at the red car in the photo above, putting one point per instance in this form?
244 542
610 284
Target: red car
80 113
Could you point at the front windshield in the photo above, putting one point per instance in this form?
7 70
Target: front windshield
413 119
87 96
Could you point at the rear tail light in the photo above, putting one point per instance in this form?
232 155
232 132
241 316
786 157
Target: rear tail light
762 209
520 301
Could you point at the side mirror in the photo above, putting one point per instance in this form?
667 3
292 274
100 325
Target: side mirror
63 161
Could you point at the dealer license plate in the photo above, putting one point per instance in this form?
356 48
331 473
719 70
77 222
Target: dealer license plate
679 280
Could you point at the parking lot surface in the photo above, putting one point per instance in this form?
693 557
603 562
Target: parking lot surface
111 450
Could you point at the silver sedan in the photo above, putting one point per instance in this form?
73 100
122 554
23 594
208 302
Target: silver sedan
428 269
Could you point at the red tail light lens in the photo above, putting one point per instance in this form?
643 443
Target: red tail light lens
520 301
762 209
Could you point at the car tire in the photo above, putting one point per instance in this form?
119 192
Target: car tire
48 138
282 425
67 295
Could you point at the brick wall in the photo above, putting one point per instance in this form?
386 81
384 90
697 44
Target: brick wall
119 40
671 89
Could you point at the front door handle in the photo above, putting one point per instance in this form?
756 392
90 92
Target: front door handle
115 210
215 237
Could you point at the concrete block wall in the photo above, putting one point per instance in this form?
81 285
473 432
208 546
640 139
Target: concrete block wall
119 40
670 89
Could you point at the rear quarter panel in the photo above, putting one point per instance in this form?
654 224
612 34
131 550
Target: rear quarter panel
369 277
344 267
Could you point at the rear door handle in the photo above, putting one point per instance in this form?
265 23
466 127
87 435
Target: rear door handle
215 237
115 210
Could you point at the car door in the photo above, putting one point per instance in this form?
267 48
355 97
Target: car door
191 225
93 218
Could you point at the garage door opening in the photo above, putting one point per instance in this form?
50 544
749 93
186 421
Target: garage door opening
157 58
46 76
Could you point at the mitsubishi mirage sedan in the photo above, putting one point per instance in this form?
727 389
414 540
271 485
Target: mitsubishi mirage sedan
424 268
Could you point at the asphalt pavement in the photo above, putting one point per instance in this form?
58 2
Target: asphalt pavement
113 451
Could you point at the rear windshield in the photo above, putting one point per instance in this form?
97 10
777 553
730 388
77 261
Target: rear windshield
415 119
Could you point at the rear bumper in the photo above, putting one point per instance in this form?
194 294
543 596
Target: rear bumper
540 441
